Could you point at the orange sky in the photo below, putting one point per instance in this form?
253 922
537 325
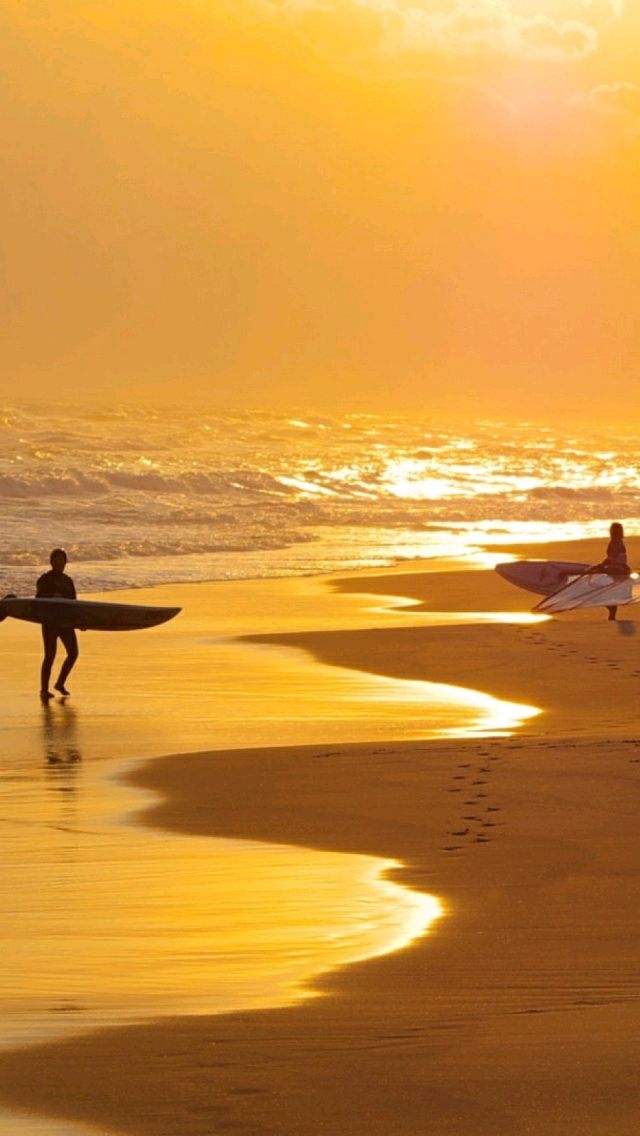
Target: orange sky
398 205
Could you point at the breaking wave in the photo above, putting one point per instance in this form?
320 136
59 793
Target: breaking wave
143 496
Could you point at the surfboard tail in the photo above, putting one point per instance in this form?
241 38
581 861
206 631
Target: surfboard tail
591 590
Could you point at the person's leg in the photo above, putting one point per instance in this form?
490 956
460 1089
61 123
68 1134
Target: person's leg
49 643
612 612
70 641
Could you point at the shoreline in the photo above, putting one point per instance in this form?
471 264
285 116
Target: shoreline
515 1015
589 548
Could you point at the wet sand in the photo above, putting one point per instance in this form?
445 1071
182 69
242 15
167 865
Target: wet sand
519 1012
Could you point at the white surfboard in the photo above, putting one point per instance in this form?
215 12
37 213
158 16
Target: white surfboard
88 615
543 577
595 589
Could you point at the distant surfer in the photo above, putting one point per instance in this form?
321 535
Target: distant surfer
615 562
52 585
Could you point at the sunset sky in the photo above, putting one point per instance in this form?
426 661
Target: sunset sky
394 205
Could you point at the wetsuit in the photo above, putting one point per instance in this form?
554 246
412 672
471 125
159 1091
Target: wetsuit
615 562
51 586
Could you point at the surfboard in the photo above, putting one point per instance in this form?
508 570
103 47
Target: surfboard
543 577
88 615
596 589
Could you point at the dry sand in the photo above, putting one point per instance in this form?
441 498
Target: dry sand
519 1012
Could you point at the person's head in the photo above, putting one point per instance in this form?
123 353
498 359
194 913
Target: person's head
58 560
616 531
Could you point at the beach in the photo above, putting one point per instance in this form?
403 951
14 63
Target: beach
316 314
516 1011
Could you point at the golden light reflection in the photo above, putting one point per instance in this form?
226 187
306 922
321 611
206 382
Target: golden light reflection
410 479
15 1124
505 533
334 703
306 486
127 923
407 479
442 618
437 474
476 714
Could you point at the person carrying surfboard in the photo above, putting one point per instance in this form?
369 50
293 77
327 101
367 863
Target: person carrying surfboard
615 562
56 584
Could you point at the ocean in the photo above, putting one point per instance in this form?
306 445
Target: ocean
157 495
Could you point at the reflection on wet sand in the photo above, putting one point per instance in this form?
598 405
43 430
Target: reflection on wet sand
62 755
60 734
113 922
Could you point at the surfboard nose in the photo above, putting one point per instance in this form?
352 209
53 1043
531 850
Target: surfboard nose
3 607
543 577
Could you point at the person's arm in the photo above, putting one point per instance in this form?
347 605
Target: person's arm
42 591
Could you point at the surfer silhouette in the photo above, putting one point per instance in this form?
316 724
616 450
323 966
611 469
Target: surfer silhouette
56 584
615 562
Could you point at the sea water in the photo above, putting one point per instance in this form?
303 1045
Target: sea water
140 496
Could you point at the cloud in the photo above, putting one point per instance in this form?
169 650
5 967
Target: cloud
604 9
543 38
562 30
595 11
617 103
